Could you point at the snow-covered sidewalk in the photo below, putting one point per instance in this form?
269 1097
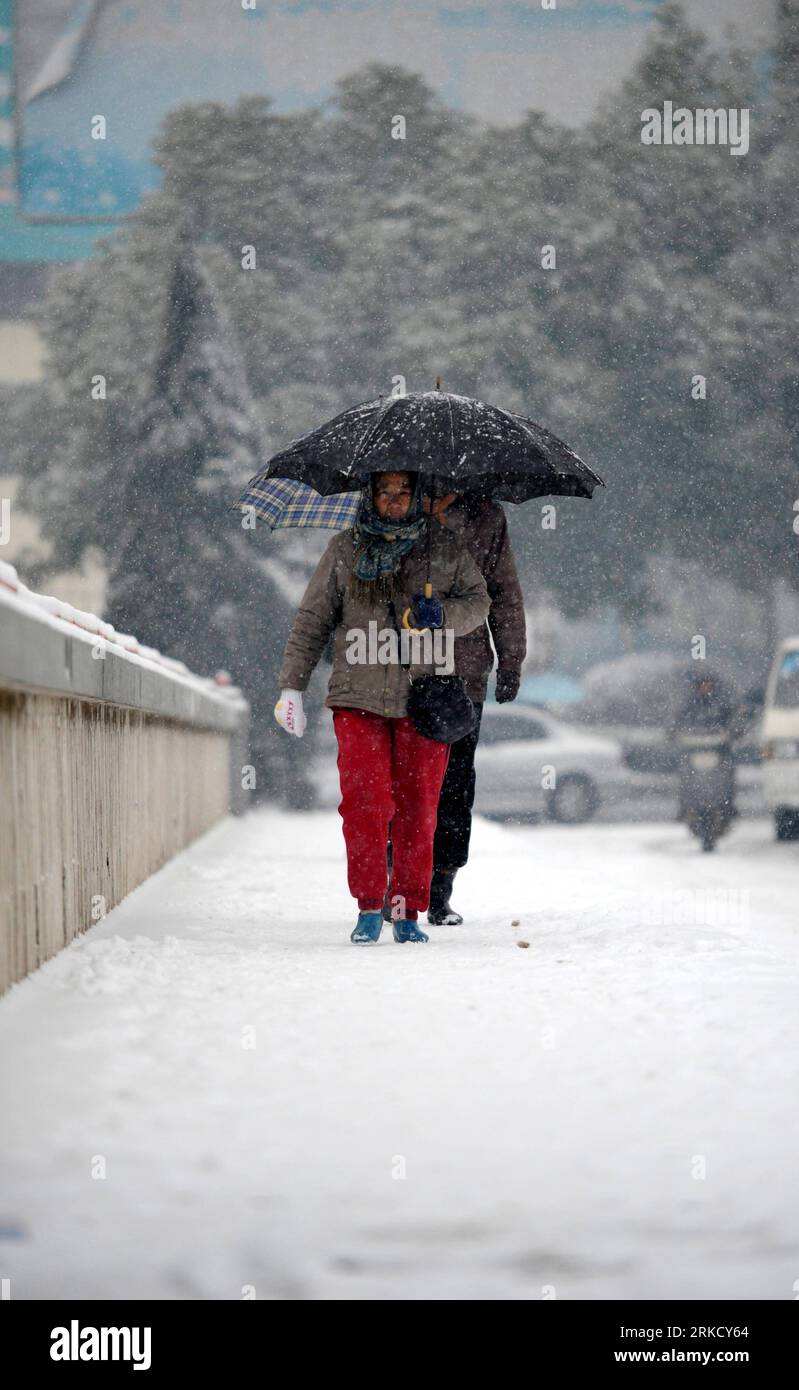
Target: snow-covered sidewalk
607 1112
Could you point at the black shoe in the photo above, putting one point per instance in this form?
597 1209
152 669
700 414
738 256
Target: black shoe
439 911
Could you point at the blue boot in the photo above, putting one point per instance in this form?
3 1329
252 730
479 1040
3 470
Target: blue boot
406 930
367 928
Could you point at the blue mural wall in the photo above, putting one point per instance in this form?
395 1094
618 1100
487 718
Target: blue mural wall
127 62
65 62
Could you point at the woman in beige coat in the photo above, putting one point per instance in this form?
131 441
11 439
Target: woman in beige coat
371 578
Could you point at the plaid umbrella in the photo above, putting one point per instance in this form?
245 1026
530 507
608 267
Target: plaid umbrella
282 502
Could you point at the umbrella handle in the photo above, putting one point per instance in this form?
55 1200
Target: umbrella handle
406 622
428 588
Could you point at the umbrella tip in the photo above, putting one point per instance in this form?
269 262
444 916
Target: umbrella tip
438 383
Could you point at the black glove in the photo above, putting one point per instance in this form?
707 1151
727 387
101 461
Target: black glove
507 686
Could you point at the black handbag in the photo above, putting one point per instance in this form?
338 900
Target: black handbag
438 706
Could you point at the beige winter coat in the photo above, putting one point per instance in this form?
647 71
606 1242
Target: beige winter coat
328 606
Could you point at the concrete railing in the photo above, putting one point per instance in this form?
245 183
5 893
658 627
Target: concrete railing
112 759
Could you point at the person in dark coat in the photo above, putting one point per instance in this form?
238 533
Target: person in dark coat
707 709
482 527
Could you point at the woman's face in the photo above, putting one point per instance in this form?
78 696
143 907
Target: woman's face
392 494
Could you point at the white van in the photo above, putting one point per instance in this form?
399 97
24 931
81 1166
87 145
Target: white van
780 733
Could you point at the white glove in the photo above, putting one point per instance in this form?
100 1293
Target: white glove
289 712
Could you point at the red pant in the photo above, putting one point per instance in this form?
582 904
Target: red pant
390 776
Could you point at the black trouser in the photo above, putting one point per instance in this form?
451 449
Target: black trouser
454 825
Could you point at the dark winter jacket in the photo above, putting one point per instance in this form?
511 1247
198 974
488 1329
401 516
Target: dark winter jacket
701 714
483 529
329 606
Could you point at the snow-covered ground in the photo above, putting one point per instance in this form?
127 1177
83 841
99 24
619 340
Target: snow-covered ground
608 1112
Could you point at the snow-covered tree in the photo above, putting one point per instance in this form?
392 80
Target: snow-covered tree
147 474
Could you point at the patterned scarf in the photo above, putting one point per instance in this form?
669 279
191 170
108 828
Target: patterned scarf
380 544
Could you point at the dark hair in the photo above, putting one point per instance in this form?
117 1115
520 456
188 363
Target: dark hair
378 473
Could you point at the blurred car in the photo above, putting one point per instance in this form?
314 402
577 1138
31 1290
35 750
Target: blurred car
523 750
661 757
780 735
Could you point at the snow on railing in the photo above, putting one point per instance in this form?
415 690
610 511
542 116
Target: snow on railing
56 611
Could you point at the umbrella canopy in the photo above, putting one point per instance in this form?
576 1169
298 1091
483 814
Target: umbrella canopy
281 503
460 443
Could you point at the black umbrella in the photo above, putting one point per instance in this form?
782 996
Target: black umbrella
461 444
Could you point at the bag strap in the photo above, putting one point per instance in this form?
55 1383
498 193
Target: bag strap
392 613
